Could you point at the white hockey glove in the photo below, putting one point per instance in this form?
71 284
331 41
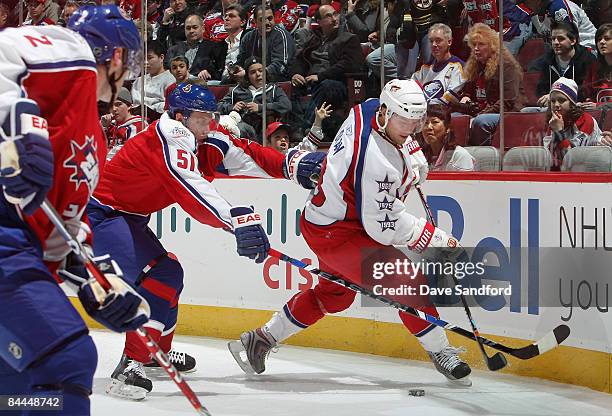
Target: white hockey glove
420 167
121 309
435 244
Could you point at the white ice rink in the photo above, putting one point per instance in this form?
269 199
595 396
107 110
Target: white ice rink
313 382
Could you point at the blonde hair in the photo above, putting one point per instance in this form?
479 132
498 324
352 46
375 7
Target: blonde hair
482 32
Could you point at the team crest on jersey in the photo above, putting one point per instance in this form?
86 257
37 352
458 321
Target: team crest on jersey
385 204
384 185
84 162
560 15
423 4
433 89
387 224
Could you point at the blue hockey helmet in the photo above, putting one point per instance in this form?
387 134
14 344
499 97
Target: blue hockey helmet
106 28
188 97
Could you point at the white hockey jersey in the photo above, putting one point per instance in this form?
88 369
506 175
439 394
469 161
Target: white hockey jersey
439 77
365 180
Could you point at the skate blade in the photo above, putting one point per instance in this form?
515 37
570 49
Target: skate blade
461 382
236 348
160 372
119 389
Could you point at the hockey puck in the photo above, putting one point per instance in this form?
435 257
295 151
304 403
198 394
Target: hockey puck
416 392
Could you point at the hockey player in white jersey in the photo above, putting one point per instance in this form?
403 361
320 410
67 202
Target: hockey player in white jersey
359 204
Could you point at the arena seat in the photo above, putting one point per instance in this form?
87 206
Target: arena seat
220 91
530 82
460 125
531 50
588 159
527 158
285 86
486 158
522 129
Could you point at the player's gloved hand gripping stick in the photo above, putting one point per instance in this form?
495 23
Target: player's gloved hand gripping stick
547 343
497 361
151 345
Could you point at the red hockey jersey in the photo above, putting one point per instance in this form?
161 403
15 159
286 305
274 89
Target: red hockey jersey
158 167
55 67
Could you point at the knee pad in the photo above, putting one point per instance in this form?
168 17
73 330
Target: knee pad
70 367
334 298
162 287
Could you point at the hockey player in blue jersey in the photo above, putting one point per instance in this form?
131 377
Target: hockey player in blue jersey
51 146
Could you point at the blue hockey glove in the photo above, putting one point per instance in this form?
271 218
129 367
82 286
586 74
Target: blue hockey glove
251 238
121 309
26 157
303 168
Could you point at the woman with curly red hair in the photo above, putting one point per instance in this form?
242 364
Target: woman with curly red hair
479 95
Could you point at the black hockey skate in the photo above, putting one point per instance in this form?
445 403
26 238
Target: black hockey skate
183 362
129 380
256 345
450 365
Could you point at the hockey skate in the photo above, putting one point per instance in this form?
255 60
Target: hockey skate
129 380
183 362
449 364
256 346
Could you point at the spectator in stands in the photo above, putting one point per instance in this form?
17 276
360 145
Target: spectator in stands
478 96
279 43
70 7
121 124
444 71
597 85
409 22
246 99
214 22
156 80
606 138
203 62
278 136
438 142
172 28
132 8
568 12
567 59
4 15
42 12
286 13
363 19
373 37
325 55
179 68
569 125
234 19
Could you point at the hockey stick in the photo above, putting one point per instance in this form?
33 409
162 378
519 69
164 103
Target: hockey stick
548 342
146 339
497 361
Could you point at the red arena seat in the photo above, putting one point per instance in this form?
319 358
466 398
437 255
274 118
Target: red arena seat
522 129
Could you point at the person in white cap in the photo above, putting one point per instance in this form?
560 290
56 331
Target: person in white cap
570 126
359 204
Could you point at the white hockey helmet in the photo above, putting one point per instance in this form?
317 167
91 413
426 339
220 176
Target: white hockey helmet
405 98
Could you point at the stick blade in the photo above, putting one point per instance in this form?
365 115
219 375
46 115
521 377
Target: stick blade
497 362
547 343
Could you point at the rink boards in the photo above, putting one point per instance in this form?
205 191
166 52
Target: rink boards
225 294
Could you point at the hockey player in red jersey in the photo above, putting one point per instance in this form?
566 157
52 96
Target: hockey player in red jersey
49 84
359 204
159 167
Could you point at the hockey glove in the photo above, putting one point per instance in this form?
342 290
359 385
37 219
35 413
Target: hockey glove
26 157
420 167
121 309
435 244
303 168
251 239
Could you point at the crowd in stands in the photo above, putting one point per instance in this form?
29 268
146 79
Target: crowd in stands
322 57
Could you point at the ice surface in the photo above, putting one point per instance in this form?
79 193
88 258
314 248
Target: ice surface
312 382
